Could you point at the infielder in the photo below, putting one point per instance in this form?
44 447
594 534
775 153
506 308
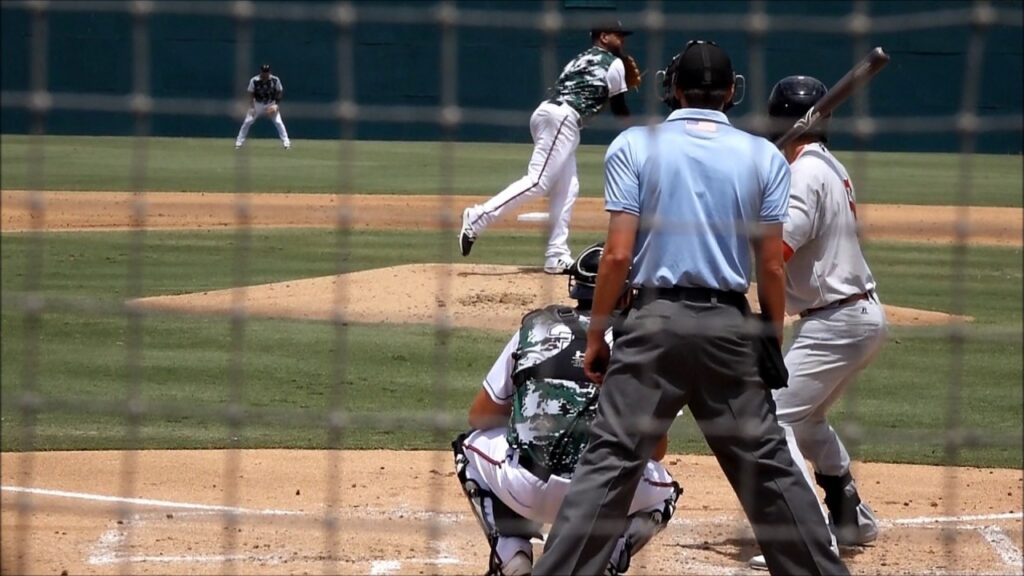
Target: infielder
265 91
531 419
599 75
842 323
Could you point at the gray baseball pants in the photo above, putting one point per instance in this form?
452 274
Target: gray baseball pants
699 354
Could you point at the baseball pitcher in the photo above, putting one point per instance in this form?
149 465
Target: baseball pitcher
842 323
265 91
531 420
599 75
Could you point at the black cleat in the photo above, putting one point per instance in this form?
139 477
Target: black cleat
466 236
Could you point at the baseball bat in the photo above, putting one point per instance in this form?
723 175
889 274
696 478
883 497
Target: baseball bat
857 77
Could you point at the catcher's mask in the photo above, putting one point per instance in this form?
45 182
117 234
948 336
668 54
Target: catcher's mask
583 275
668 75
583 272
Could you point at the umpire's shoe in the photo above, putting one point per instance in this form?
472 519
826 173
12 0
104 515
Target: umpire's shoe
466 235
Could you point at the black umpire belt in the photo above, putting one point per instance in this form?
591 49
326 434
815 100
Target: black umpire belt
690 294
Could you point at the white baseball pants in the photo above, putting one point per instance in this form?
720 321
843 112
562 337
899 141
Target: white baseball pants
830 348
551 172
496 468
255 112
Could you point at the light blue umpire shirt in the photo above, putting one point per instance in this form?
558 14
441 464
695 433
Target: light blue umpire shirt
700 186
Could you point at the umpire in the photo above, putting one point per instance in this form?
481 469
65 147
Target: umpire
686 201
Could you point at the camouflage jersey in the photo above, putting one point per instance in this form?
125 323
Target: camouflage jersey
583 83
265 91
553 402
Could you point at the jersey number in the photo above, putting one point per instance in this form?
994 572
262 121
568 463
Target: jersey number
849 197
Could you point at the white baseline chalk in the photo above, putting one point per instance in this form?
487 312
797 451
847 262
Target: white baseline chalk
146 502
1004 546
955 519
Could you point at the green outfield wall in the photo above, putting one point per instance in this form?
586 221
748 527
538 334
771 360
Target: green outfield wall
193 56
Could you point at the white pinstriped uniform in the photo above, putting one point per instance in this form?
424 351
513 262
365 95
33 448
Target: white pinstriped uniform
583 88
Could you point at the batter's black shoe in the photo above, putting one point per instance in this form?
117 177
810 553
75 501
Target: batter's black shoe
466 236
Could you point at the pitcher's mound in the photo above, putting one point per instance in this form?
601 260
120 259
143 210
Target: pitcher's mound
467 295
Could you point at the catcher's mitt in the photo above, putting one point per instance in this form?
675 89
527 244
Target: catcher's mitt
271 110
633 75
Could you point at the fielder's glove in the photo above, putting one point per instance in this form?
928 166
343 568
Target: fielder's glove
271 110
633 74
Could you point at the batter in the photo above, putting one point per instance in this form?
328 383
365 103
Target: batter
842 323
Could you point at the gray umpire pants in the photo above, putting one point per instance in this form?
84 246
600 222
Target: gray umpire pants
671 354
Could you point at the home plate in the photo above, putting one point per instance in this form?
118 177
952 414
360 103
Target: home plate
533 217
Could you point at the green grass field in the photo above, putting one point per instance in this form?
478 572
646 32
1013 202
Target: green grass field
85 358
389 376
314 166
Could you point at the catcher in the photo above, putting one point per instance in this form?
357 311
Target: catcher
531 419
265 91
600 75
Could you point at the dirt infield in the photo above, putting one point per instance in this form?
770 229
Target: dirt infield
105 210
402 513
475 296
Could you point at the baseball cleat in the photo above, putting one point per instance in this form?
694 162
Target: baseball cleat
758 562
466 235
854 535
557 265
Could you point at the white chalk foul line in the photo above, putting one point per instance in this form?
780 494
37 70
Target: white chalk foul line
405 512
105 551
382 567
379 567
148 502
1004 546
921 520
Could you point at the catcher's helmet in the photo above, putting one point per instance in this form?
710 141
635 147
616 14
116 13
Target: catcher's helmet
792 97
583 272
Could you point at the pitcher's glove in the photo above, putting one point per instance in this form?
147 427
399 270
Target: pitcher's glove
271 110
633 75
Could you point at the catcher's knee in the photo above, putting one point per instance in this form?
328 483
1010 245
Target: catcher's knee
494 517
642 528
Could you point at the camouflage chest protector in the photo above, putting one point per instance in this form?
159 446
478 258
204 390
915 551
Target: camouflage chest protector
554 403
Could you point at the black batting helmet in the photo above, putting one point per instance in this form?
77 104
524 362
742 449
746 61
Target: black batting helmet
583 272
792 97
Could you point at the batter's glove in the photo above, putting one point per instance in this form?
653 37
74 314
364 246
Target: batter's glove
271 110
633 74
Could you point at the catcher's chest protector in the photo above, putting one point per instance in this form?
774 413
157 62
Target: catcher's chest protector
554 402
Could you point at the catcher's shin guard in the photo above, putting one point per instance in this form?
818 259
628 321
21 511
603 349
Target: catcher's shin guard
853 521
495 518
642 528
